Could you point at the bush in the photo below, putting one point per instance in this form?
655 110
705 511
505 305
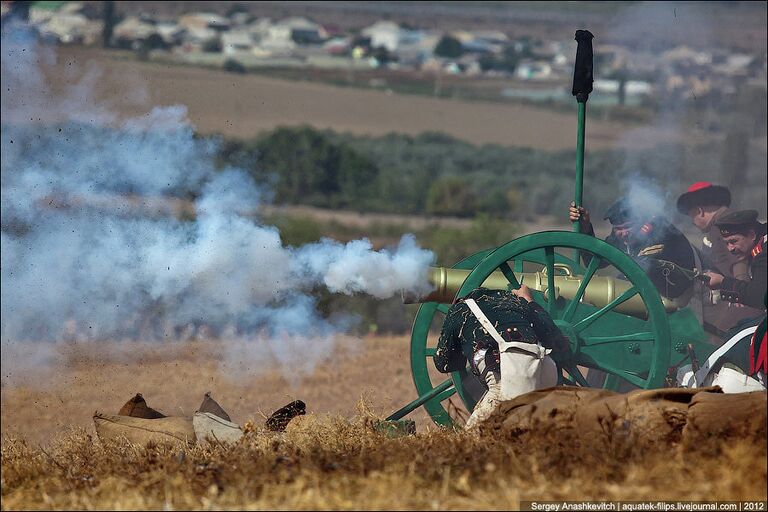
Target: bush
233 66
449 47
295 231
311 168
437 174
453 244
451 196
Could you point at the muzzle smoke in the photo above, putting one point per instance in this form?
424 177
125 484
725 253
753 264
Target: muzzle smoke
72 270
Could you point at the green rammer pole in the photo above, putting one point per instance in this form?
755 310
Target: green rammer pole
580 159
582 86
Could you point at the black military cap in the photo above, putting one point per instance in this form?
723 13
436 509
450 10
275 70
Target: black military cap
619 212
737 222
703 193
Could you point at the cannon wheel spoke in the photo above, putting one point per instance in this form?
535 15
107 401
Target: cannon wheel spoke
549 257
586 322
589 341
588 274
504 267
575 373
629 377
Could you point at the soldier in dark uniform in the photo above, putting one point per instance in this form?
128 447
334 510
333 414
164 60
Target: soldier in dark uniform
705 204
745 237
516 317
652 241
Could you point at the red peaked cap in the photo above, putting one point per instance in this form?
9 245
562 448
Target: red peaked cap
703 193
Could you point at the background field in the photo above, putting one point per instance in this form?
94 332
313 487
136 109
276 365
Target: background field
173 377
245 105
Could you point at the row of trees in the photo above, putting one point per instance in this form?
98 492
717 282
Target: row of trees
438 175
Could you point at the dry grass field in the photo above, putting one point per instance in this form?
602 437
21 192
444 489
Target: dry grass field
248 379
330 459
245 105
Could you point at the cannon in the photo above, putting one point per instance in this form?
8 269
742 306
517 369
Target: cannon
600 290
623 334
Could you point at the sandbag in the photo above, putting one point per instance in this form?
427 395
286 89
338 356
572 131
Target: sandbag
137 407
212 406
724 416
211 427
174 429
647 419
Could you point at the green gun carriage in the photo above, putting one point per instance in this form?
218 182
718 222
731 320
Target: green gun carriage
621 331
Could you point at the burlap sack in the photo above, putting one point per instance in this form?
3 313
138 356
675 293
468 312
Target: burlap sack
211 427
174 429
212 406
724 416
647 419
137 407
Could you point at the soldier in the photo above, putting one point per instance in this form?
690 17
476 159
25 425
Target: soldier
745 238
705 204
478 324
654 243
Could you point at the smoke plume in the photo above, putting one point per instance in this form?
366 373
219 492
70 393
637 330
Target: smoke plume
78 263
651 180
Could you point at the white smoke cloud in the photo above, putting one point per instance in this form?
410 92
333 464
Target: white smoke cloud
77 263
652 180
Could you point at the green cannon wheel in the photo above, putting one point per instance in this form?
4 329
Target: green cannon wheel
422 351
627 348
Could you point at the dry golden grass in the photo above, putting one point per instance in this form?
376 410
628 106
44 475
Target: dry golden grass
330 459
244 377
333 463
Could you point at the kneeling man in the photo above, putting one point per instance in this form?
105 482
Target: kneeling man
506 337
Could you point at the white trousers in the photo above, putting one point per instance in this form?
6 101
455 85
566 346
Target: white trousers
520 373
732 381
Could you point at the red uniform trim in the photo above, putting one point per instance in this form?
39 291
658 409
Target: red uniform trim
699 185
758 362
758 248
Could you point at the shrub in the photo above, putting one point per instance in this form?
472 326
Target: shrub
233 66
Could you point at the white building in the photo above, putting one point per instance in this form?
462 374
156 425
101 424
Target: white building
298 29
631 87
236 42
133 29
391 36
203 26
533 70
71 28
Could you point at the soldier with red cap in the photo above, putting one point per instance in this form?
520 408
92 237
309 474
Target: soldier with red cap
745 238
705 203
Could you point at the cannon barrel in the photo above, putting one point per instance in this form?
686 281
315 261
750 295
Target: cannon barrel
600 291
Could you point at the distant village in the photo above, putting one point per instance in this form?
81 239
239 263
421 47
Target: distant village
537 69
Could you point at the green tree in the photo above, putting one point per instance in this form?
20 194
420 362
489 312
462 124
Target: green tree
451 195
311 168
